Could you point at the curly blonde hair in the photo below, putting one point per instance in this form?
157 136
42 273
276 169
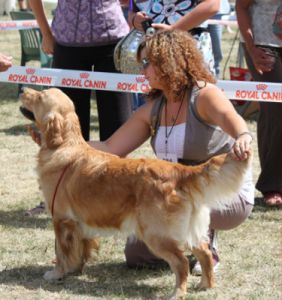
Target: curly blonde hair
177 61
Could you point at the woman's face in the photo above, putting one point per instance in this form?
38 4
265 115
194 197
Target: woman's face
148 70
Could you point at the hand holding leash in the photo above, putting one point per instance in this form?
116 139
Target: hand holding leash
137 20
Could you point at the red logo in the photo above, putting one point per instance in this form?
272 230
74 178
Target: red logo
261 86
30 71
140 79
84 75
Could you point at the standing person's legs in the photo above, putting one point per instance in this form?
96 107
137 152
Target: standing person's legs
269 131
215 31
114 108
23 5
204 44
75 58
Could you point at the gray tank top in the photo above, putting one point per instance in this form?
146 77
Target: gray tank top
202 140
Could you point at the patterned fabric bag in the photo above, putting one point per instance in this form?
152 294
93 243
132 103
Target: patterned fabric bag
277 24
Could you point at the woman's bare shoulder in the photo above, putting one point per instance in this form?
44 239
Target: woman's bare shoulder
210 91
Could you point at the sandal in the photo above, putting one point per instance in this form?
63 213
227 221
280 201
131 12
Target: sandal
39 209
273 199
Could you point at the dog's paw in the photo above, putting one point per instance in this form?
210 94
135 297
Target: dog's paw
53 275
177 294
204 285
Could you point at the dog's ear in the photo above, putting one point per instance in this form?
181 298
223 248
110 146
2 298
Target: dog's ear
53 130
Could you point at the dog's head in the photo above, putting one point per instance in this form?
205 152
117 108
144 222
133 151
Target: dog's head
53 113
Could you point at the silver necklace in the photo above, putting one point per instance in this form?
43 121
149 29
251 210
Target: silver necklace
168 133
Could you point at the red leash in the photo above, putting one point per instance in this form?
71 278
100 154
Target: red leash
56 189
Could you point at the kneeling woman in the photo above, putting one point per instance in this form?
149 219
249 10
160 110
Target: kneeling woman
189 120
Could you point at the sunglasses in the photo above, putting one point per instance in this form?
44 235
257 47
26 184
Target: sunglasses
145 63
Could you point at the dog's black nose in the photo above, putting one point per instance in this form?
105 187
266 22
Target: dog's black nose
27 113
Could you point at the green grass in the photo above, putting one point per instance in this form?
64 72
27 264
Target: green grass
250 254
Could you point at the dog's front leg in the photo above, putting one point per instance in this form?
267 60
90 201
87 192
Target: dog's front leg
204 256
70 252
54 275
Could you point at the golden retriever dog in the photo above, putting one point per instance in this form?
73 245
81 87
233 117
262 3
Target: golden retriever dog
89 192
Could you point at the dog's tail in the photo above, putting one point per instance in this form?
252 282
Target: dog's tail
216 182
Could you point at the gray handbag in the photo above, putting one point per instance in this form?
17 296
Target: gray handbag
125 52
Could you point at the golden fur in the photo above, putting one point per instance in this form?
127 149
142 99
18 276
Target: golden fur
166 205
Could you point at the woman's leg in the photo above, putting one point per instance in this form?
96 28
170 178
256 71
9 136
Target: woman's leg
75 58
137 253
232 216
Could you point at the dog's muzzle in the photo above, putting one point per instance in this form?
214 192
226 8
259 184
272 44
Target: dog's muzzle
27 113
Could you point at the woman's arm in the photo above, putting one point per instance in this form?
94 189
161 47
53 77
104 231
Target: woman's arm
202 12
127 138
214 108
48 40
244 22
130 135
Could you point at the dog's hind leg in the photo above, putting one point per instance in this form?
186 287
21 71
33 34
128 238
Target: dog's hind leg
204 256
171 252
71 249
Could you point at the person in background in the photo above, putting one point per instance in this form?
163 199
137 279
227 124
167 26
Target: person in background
137 99
189 120
23 5
184 15
5 62
263 53
83 35
215 31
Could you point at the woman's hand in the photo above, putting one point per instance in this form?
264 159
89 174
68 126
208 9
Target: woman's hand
5 62
137 19
241 149
48 44
263 62
35 134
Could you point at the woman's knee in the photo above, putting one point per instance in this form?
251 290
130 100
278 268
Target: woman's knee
231 217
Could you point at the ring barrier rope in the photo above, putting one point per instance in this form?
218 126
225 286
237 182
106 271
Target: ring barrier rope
29 24
235 90
19 25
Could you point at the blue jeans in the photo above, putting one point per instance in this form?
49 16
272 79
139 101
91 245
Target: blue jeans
216 34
